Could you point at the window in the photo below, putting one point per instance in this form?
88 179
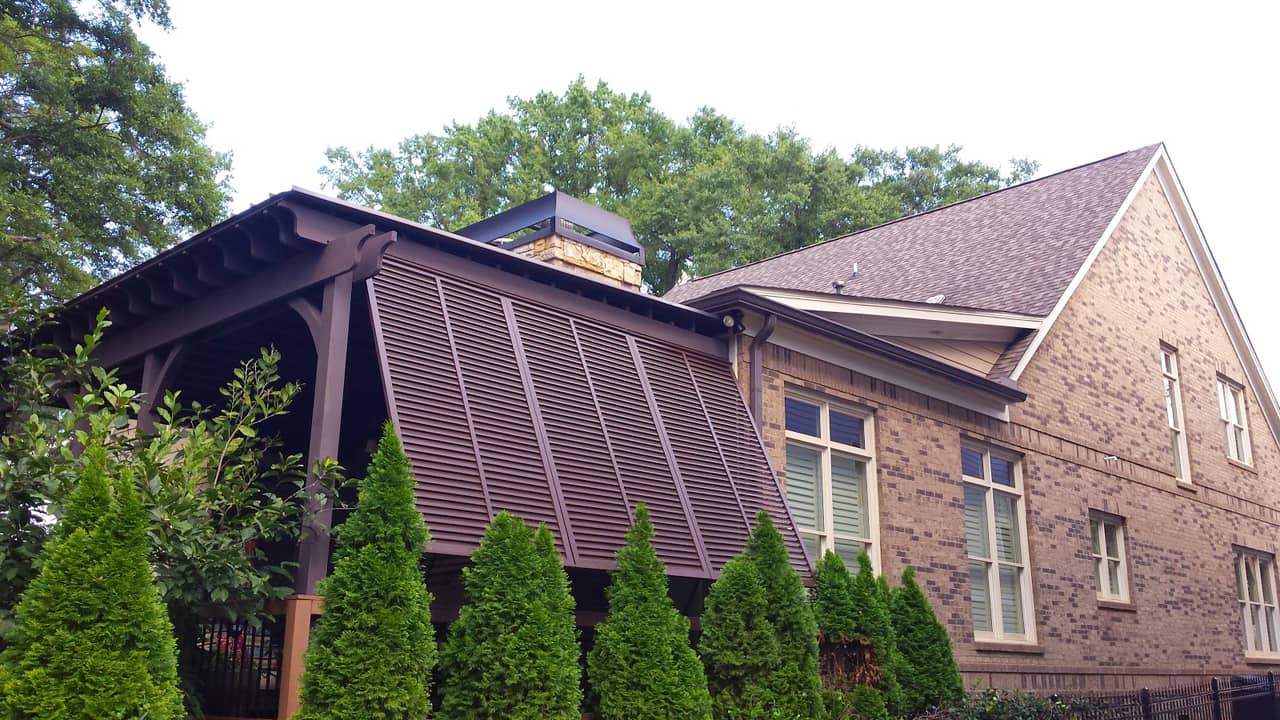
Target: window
1106 538
1235 426
830 475
1173 410
1256 588
995 533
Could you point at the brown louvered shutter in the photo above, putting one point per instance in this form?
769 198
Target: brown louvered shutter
424 388
636 446
748 465
513 468
720 517
594 498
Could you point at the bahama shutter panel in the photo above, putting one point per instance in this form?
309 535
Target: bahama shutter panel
757 486
583 459
638 451
424 387
513 467
718 512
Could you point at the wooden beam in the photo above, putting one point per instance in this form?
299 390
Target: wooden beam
342 255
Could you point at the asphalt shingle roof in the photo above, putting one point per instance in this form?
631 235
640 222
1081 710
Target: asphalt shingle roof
1012 250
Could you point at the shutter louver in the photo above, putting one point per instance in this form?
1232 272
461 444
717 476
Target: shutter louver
849 495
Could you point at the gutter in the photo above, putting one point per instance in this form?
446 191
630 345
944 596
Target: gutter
756 371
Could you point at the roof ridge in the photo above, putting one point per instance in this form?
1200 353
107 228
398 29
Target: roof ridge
930 211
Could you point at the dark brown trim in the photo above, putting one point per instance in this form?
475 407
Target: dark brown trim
670 454
540 434
384 367
158 371
462 393
741 298
326 425
755 371
569 304
595 404
715 439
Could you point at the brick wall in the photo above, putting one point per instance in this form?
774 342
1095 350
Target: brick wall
1094 393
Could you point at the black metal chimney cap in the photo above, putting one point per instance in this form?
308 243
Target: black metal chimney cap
564 215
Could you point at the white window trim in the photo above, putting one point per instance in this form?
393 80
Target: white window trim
1108 593
825 446
1243 564
1233 413
997 633
1182 464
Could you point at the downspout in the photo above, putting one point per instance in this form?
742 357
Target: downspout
757 373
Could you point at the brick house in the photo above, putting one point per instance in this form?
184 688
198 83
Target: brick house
1087 488
1041 398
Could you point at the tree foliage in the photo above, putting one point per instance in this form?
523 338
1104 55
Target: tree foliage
641 665
702 195
209 478
101 160
513 652
92 639
739 646
932 678
794 682
373 650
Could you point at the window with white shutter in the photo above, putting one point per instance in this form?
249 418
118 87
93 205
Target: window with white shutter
830 476
995 537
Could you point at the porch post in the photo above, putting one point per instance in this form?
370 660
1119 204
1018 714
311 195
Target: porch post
329 328
299 609
329 325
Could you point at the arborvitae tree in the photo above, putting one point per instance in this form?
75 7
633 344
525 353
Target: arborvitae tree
373 650
932 678
739 645
513 652
875 624
641 665
92 640
795 683
846 660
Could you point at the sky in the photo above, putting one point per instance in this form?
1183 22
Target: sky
1061 83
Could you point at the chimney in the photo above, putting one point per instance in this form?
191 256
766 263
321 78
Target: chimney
564 231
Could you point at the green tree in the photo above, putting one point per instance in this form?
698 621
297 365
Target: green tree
101 160
209 478
373 650
795 681
739 647
932 678
702 195
641 665
92 639
513 652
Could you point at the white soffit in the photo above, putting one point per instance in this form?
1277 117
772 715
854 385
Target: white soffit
917 320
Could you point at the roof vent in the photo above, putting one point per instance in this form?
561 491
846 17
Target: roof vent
565 231
935 299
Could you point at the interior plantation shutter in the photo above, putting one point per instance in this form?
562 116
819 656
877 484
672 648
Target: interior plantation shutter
848 495
803 468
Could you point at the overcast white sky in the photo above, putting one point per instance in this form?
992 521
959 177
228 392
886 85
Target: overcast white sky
1062 83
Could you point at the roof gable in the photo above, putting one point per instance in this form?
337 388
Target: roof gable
1012 250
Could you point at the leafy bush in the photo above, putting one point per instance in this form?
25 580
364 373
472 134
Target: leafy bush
513 652
92 640
739 645
795 684
641 665
932 678
373 650
992 704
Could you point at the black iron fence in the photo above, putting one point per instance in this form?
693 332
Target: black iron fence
238 667
1241 697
